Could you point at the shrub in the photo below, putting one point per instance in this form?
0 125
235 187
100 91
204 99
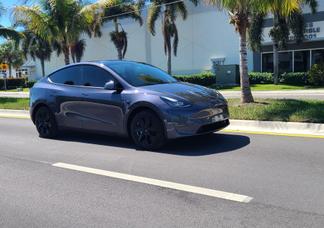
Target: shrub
260 78
205 78
30 84
316 75
297 78
13 83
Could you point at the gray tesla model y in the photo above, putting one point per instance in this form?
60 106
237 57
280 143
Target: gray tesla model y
125 98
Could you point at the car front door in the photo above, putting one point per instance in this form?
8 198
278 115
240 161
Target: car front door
102 109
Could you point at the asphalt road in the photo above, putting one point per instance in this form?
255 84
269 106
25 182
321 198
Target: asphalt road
283 175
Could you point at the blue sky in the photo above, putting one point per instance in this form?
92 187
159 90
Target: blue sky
8 5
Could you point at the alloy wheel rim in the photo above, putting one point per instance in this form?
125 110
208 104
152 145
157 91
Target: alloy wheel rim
145 131
43 122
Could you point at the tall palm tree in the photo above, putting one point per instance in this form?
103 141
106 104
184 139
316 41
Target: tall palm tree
61 22
169 11
36 47
114 10
240 12
287 17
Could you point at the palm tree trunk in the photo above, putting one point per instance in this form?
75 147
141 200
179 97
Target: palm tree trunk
10 70
246 95
66 52
276 53
43 67
169 62
120 54
275 63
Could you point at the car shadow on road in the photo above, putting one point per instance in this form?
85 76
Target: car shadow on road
206 144
192 146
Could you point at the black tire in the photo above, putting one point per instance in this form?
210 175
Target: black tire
45 123
147 131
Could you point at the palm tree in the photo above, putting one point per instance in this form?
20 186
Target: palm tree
114 10
11 55
36 47
168 10
287 17
8 33
61 22
240 12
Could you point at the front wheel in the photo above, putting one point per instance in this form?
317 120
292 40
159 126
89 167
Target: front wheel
147 130
45 123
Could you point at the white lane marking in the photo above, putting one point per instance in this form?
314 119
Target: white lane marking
160 183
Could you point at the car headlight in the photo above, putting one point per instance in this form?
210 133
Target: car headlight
175 103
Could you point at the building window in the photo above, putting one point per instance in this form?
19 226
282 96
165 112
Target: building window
22 73
302 61
318 56
267 62
285 62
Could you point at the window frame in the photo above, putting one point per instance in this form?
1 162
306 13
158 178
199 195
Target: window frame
82 86
96 87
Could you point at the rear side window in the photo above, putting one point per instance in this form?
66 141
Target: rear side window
68 76
95 76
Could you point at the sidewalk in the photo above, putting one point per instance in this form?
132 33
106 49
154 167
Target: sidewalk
317 94
245 126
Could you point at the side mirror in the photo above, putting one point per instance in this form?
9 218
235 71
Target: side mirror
110 85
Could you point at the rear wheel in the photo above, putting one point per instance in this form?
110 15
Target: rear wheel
45 123
147 130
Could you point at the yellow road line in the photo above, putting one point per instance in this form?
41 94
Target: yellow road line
159 183
274 133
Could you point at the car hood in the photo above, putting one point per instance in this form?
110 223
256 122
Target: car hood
193 94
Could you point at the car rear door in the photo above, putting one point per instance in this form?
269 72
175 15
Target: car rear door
102 110
66 96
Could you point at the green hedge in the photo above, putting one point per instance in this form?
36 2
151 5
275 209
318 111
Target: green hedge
204 78
13 83
316 75
260 78
297 78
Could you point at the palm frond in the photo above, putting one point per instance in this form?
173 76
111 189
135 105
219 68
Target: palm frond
10 33
181 8
256 31
152 16
175 39
297 25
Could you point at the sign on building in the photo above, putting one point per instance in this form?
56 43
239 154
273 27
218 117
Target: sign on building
313 31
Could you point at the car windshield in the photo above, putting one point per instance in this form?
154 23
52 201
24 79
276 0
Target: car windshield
140 74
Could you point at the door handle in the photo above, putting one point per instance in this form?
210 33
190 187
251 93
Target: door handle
85 94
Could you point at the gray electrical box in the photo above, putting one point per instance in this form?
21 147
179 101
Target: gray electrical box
227 74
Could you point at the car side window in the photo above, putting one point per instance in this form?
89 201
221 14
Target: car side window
67 76
95 76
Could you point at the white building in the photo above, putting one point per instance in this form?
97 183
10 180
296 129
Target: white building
205 35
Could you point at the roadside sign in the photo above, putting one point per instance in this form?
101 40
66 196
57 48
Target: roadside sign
4 66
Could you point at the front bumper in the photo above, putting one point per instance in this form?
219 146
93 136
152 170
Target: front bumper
190 122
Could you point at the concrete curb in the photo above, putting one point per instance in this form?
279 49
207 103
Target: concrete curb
248 126
21 114
14 94
277 127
